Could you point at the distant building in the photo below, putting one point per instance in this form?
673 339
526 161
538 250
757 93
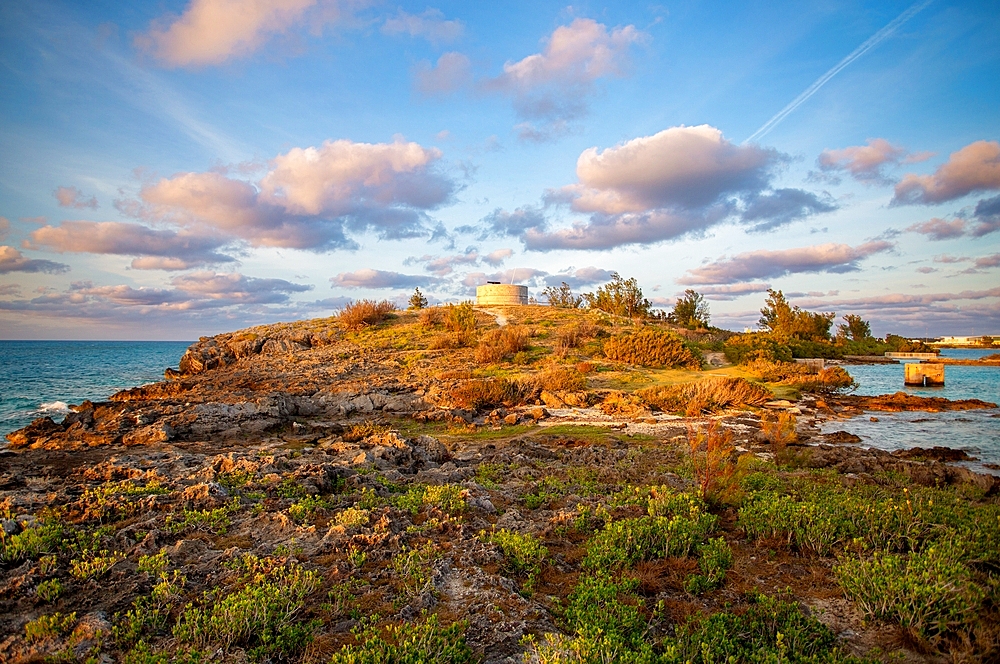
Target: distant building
494 293
966 341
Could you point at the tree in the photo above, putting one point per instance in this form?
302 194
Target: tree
786 322
417 300
857 328
562 297
690 311
621 297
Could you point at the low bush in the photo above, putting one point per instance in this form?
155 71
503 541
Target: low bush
460 318
622 404
623 543
95 564
50 590
714 559
478 394
426 642
708 395
43 537
50 626
448 498
500 344
778 429
769 630
651 347
931 592
363 313
523 555
260 615
712 460
607 605
560 379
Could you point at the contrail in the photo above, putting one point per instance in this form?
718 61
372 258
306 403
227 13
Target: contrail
871 43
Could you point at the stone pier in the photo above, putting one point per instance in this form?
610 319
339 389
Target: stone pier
924 375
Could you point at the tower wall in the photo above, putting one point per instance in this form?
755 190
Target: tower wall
508 294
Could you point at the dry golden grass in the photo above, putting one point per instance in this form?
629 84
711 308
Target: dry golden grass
478 394
500 344
363 313
621 404
651 347
709 395
573 336
560 379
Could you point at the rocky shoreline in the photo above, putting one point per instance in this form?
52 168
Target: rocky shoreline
346 458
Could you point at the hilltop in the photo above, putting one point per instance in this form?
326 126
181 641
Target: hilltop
460 484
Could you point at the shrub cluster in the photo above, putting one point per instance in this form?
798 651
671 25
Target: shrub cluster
800 376
523 555
708 395
426 642
478 393
651 347
501 344
560 379
360 314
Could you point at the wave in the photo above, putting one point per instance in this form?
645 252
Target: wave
54 407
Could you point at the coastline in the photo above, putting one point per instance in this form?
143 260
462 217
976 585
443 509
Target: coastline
341 457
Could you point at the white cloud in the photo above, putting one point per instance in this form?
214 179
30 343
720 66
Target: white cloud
72 197
431 25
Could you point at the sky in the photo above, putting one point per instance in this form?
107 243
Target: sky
181 168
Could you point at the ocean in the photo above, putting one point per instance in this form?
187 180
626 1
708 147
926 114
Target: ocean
39 378
975 431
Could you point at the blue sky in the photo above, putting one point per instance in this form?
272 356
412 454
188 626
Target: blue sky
181 168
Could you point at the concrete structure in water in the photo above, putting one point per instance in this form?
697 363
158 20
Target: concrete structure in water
494 293
919 374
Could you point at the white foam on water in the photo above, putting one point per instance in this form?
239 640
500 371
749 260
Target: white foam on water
54 407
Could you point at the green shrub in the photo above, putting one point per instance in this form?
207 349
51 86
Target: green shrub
155 565
714 559
500 344
260 615
426 642
600 603
652 347
622 544
49 591
413 566
768 631
931 592
50 626
448 498
523 555
95 564
216 521
43 537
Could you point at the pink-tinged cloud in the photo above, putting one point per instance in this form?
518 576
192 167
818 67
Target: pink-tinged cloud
431 25
212 32
12 260
369 278
939 229
945 258
154 249
606 232
496 258
10 289
987 262
584 276
234 288
72 197
765 264
444 265
974 168
733 291
452 72
688 167
311 196
863 162
4 227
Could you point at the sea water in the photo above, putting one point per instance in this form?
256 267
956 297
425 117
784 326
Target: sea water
39 378
975 431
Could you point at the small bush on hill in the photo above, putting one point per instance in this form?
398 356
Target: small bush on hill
363 313
560 379
500 344
651 347
478 394
460 318
707 395
421 643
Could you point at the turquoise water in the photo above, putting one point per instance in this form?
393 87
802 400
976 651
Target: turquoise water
39 378
976 431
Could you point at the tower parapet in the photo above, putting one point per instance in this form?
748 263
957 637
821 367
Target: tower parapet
503 294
